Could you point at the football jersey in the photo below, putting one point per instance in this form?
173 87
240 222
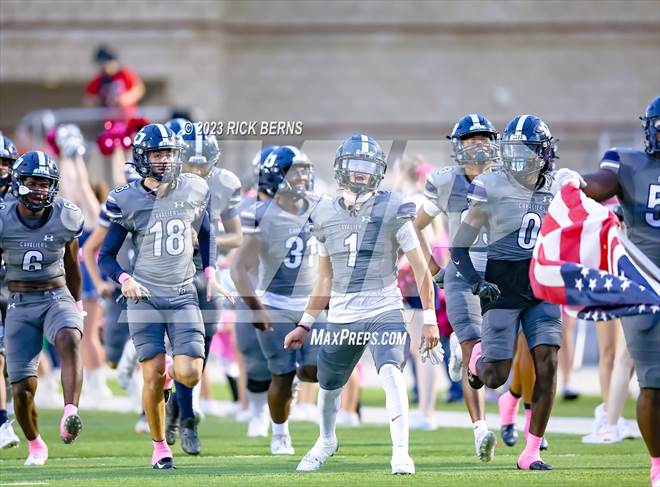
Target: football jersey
514 213
38 254
126 254
288 254
161 227
362 246
639 177
446 192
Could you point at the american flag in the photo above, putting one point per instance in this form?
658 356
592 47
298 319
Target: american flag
580 261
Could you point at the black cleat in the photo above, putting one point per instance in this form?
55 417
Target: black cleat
167 393
509 434
164 464
537 465
474 381
171 422
189 438
544 444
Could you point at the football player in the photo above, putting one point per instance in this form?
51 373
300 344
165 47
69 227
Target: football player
256 366
201 154
511 203
38 237
633 175
474 143
8 156
161 211
279 242
359 233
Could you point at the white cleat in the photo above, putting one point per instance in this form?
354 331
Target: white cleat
142 425
627 430
605 435
38 458
423 423
402 464
317 456
346 419
281 445
455 359
258 426
484 445
8 438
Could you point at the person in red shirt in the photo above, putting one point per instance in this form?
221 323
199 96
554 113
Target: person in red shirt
115 86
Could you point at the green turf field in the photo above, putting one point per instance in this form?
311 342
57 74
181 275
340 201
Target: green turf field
109 453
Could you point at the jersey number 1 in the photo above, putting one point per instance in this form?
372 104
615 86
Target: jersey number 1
351 242
174 243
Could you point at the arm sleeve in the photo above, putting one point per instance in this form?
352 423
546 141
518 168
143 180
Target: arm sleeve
406 237
431 201
611 161
108 254
460 253
231 211
206 241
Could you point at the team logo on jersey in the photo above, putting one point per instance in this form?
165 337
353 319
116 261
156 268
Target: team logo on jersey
11 306
48 238
366 219
179 204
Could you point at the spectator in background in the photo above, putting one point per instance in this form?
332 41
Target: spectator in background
118 88
114 86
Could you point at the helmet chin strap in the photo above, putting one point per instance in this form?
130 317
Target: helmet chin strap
352 199
24 190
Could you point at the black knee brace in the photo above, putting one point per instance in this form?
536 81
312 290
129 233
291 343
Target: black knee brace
258 385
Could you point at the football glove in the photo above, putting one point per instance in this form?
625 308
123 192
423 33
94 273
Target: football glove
434 355
566 176
487 291
439 278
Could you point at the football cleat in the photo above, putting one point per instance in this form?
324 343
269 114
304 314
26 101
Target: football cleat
317 456
402 464
605 435
165 463
142 425
258 426
171 422
281 445
537 465
455 359
37 458
484 445
70 428
509 434
189 438
8 438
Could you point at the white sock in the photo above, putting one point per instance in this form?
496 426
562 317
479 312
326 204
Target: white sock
328 408
257 403
281 429
196 393
479 427
396 402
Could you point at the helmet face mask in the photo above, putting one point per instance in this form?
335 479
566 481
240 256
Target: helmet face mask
651 125
468 149
286 170
527 147
522 158
157 138
8 156
200 153
35 180
360 164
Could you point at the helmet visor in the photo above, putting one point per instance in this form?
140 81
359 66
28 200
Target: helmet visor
521 157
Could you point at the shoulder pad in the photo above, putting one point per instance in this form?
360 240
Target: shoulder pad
72 216
227 179
407 209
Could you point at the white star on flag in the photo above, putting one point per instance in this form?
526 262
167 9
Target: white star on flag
584 272
641 308
608 284
655 309
592 284
602 273
578 284
625 285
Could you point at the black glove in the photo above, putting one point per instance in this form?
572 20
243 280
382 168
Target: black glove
439 278
487 291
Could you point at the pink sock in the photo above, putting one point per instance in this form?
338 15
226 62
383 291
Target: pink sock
161 450
476 355
70 409
37 445
531 452
655 469
508 406
528 420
